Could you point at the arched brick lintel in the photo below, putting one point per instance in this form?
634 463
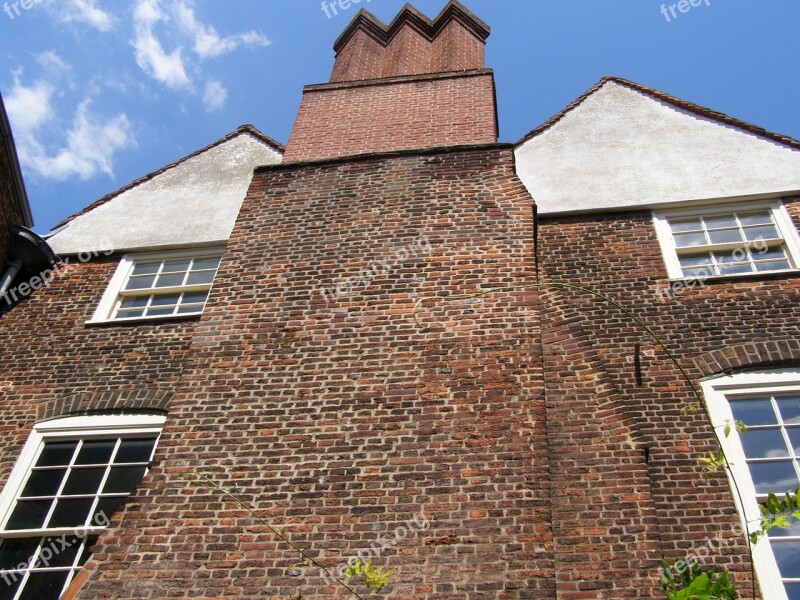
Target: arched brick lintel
776 352
73 404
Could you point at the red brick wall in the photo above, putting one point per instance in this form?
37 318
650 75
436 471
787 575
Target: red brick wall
623 455
9 207
53 364
408 53
340 422
456 49
337 120
412 45
361 58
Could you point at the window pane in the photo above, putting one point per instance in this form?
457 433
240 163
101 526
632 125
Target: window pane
135 302
83 481
754 411
793 591
761 233
203 277
764 443
685 240
195 298
140 283
29 514
9 589
761 218
772 266
170 280
166 300
17 553
698 273
55 554
725 236
56 454
787 555
95 452
87 549
44 586
43 483
769 254
794 439
106 508
127 314
735 269
792 530
123 479
778 477
206 263
160 312
736 256
696 260
145 268
133 451
721 222
789 407
71 513
686 225
176 265
190 309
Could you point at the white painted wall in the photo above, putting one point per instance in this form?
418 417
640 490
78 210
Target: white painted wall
623 148
195 202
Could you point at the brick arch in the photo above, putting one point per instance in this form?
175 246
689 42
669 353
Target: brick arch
749 355
147 399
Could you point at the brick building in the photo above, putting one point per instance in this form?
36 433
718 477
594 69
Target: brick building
14 207
403 354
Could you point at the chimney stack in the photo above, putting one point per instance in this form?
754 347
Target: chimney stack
413 84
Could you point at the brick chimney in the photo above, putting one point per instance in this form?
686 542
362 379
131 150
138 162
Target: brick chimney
413 84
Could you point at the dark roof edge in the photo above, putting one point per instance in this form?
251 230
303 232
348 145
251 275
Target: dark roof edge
674 101
408 14
243 129
366 156
19 183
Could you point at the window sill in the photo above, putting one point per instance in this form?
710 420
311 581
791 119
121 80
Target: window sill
714 279
143 320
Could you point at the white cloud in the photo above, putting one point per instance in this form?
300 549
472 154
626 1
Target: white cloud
52 62
151 57
29 107
207 42
86 11
91 142
215 95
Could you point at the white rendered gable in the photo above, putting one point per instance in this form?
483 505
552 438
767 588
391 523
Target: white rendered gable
624 148
195 202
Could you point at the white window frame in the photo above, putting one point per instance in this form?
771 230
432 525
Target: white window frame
781 216
716 392
92 427
105 310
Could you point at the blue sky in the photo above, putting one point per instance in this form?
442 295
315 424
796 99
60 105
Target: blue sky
101 92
